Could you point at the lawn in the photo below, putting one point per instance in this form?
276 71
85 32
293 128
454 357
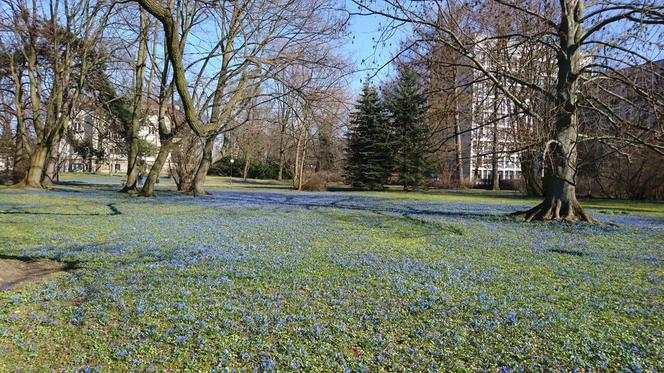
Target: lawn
277 280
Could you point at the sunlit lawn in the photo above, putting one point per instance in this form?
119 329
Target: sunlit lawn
259 279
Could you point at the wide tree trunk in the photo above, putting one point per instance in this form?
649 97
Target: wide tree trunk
560 201
155 171
198 188
21 161
50 168
38 157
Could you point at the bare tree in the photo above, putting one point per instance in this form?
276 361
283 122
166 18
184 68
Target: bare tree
582 39
50 50
257 39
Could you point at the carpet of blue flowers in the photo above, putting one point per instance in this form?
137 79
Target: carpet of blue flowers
265 281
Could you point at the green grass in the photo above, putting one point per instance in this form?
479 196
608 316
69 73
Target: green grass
261 279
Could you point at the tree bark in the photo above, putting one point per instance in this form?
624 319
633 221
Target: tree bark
495 177
300 179
198 188
282 151
155 171
135 125
36 166
459 155
245 170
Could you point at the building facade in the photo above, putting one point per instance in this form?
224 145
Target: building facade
87 149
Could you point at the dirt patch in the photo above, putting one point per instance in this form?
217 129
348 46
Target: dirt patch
17 270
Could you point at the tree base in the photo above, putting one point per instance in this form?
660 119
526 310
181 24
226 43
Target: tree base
128 190
147 194
554 210
25 185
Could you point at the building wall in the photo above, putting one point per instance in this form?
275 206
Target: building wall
115 162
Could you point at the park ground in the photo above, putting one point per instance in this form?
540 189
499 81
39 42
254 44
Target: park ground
257 277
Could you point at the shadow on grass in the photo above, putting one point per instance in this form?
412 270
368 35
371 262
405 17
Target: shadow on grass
350 203
113 211
566 252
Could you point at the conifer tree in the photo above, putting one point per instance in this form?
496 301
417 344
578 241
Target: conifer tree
369 158
406 104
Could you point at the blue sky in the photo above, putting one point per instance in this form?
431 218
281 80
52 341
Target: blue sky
363 49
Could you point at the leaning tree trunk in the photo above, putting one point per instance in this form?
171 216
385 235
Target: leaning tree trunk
155 171
197 188
135 125
560 153
132 165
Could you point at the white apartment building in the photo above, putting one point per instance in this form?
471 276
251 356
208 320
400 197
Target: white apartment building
484 115
114 160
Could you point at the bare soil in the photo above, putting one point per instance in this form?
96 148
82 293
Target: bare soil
16 271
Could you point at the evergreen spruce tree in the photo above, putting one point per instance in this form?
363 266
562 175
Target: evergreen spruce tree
406 104
368 154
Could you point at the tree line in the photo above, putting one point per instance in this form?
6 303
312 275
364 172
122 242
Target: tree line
572 89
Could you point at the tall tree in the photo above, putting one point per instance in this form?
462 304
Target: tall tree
50 50
369 160
406 104
608 36
257 39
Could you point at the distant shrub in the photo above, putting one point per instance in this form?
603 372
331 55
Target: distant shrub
257 169
512 184
436 183
315 183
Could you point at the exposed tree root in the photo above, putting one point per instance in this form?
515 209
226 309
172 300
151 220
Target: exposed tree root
555 210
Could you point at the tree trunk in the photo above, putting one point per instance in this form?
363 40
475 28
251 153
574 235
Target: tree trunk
282 151
560 201
300 179
35 169
50 168
495 178
21 160
155 171
132 165
245 170
560 153
135 125
198 188
280 175
296 174
459 156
